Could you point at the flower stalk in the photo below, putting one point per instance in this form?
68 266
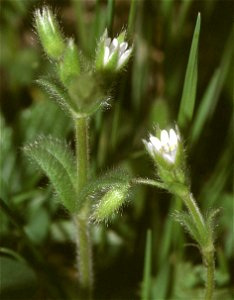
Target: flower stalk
167 152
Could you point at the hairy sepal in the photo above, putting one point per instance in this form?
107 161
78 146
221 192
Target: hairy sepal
112 185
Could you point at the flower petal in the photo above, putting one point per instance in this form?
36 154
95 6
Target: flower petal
173 138
155 142
123 58
164 138
106 55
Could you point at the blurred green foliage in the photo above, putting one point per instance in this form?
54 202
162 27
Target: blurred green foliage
36 234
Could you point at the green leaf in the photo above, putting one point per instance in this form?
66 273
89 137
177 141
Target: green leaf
210 221
58 94
190 83
212 93
146 285
57 161
187 222
18 280
40 118
161 282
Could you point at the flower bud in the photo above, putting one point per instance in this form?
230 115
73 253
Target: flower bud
48 30
112 55
164 148
110 203
69 67
167 152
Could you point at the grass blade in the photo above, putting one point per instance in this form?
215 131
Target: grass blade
211 95
190 84
110 15
145 292
132 16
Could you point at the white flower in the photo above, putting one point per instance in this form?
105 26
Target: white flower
115 47
166 146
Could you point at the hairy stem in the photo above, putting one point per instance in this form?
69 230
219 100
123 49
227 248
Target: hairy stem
207 251
84 246
148 182
210 268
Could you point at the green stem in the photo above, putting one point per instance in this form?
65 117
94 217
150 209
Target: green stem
84 247
208 251
210 275
148 182
82 155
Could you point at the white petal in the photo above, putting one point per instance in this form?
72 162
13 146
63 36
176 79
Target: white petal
114 45
124 57
173 138
107 42
164 138
150 149
155 142
169 158
123 46
106 55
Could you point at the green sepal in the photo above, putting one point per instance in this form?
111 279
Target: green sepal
97 187
100 51
49 33
69 66
112 63
110 203
121 37
58 163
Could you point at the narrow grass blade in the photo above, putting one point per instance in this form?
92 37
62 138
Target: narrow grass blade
212 93
81 27
110 14
146 285
190 84
132 16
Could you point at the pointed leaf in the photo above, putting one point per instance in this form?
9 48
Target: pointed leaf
57 161
187 222
58 94
190 83
146 285
210 221
212 93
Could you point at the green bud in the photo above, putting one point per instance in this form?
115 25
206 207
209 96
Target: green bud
110 203
69 67
48 30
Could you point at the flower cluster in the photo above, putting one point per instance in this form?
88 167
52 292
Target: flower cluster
114 47
113 54
166 147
